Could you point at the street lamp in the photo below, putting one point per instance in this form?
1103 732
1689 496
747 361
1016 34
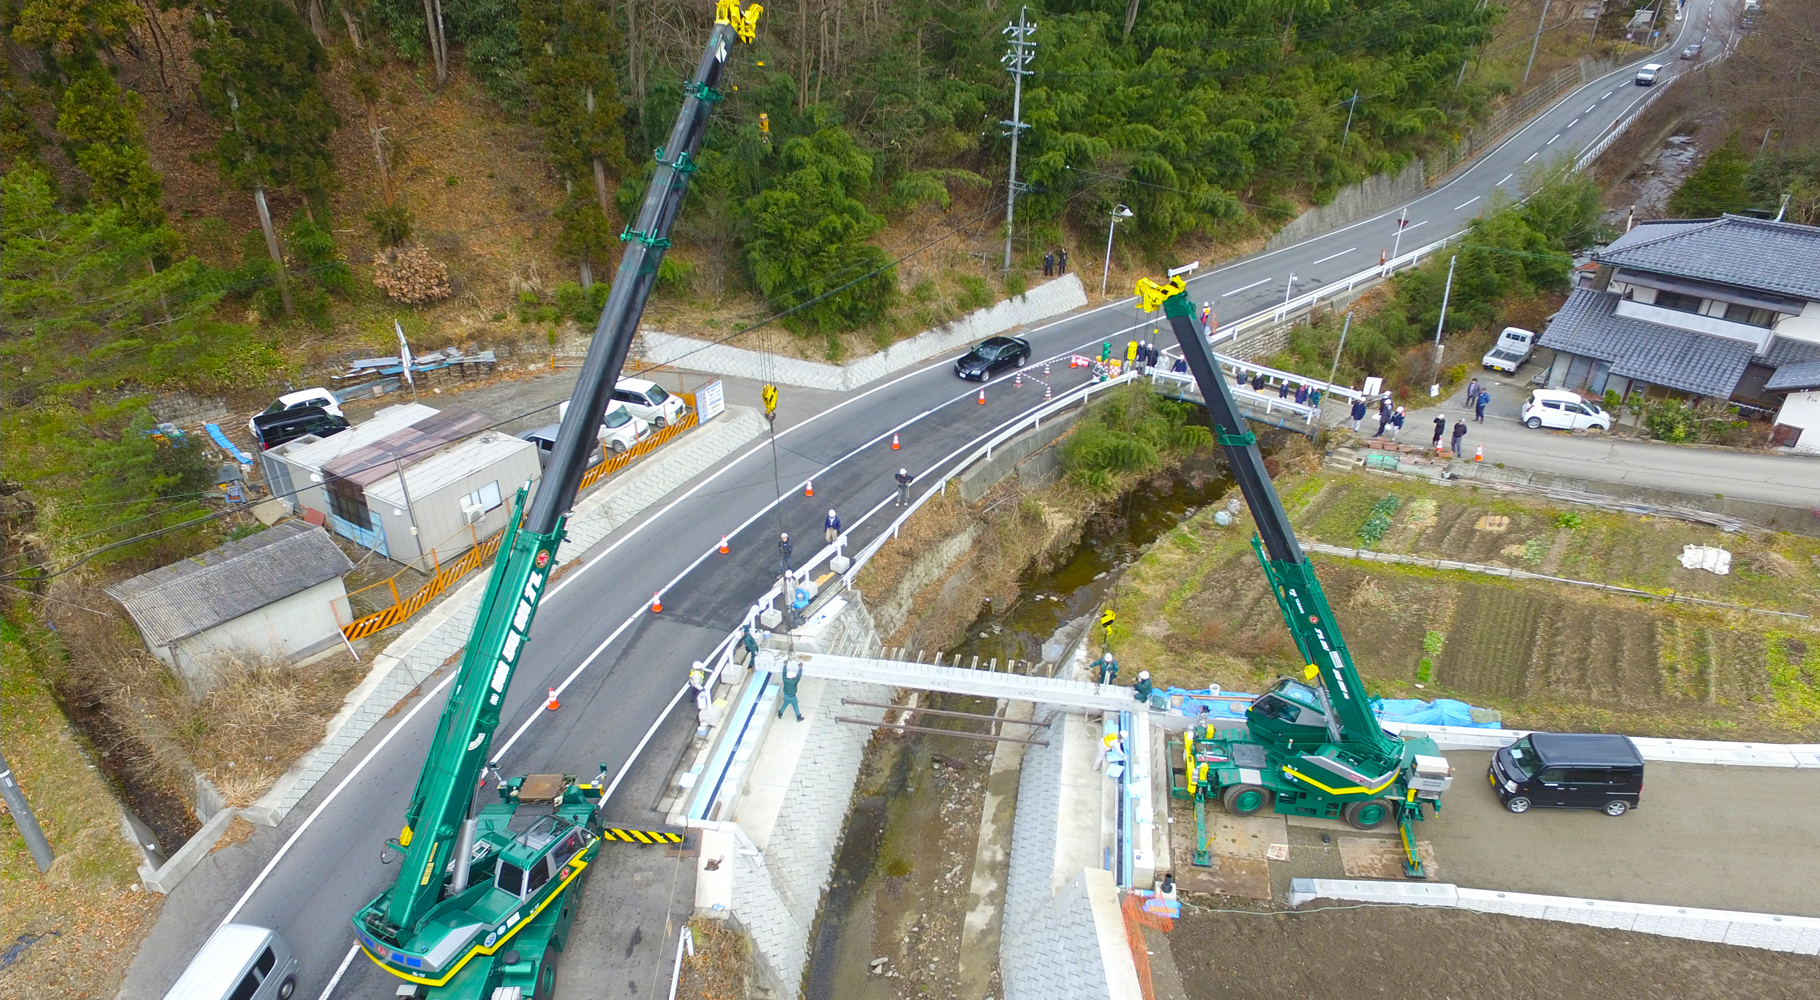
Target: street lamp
1121 212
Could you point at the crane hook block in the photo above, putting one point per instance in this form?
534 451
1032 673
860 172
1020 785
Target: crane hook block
1152 293
744 22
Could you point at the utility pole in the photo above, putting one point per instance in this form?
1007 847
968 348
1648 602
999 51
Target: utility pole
1335 370
1446 293
24 819
1396 245
1537 43
1017 61
1350 106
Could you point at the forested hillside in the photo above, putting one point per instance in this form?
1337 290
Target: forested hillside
210 195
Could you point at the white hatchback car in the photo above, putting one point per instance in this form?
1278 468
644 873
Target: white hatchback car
619 429
1563 410
648 401
301 398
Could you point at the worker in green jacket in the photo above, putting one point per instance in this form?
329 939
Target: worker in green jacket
789 699
1141 690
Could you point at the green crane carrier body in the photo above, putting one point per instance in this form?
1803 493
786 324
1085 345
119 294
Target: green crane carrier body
1309 746
483 901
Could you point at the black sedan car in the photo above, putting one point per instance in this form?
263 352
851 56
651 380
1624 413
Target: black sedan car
993 356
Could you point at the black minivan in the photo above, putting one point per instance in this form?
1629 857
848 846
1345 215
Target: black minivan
1569 771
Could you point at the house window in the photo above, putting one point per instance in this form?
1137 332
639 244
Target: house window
1678 301
1750 315
348 502
484 499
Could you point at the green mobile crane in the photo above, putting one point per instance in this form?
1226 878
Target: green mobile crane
1308 746
484 900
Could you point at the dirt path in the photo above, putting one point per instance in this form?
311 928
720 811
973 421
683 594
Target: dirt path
1452 955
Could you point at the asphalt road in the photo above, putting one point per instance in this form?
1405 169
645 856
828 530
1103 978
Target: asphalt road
621 669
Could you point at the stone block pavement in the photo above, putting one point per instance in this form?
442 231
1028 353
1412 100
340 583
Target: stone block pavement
442 632
1049 299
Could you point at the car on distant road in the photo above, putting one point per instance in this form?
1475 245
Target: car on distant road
648 401
1513 348
1691 52
990 357
1563 410
297 400
1648 75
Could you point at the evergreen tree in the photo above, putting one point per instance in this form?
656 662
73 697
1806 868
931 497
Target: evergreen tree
259 65
810 236
1716 186
575 100
100 121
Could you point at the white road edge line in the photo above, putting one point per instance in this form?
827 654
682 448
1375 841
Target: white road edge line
340 971
1467 202
1506 177
1342 253
1248 287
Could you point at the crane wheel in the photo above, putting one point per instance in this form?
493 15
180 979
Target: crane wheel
1368 814
546 974
1246 800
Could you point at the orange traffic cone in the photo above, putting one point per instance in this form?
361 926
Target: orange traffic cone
723 545
657 603
1048 391
894 442
1478 455
982 397
808 487
552 704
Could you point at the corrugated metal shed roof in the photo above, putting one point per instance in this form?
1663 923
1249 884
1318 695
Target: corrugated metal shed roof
390 420
199 593
1782 257
378 459
1789 378
1660 355
431 473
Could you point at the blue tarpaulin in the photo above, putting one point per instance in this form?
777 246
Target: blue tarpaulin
1232 705
228 446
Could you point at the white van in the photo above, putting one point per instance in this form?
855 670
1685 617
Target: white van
239 962
1648 75
649 401
1563 410
1513 348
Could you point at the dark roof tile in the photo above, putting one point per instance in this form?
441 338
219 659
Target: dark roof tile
1699 363
1781 257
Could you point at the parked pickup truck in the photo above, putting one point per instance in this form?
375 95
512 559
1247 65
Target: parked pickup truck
1514 347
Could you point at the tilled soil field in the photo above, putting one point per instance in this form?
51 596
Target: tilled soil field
1453 955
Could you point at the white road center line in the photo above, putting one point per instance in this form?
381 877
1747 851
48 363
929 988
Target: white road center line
1466 203
1552 141
1506 177
1250 286
1342 253
1571 124
1533 155
1416 225
1590 110
1608 94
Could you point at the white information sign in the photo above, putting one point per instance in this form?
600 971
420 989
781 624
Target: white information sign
710 401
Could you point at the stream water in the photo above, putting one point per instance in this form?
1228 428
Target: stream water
1049 598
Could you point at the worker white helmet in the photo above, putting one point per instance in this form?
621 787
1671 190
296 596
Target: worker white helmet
786 536
903 472
831 512
1143 675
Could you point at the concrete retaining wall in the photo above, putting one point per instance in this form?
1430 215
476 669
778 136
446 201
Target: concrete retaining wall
1052 298
439 636
1008 458
1770 931
1353 202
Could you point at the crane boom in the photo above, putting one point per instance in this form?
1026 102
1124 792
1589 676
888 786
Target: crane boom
415 929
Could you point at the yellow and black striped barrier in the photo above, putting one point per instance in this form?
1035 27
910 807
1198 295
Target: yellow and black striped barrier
641 836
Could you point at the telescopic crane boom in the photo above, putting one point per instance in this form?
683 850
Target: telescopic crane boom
479 898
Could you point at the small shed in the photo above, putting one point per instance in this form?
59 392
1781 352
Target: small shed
293 470
278 593
446 502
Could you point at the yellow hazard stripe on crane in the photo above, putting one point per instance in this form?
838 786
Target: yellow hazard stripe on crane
641 836
1329 789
